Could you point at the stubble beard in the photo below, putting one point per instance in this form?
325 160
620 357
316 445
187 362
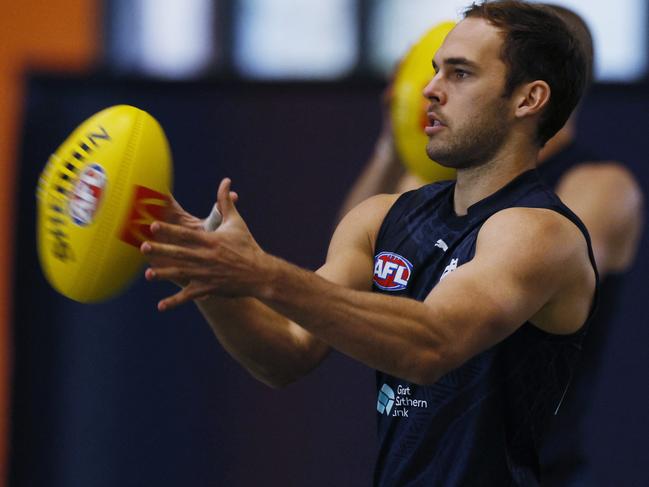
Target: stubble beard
473 144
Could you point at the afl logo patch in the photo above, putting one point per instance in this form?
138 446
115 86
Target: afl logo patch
86 194
391 271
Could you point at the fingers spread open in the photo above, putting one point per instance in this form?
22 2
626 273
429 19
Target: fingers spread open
175 273
157 250
177 234
183 296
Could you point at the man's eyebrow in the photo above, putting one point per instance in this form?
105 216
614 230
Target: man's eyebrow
457 61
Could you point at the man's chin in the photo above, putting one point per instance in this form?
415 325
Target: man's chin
440 157
448 161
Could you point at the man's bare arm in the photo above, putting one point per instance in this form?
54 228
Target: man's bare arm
271 347
518 273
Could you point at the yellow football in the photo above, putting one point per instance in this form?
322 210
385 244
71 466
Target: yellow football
408 105
97 196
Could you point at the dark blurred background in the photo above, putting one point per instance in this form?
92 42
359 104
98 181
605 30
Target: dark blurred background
282 96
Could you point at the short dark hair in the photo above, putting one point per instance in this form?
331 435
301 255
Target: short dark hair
538 45
580 29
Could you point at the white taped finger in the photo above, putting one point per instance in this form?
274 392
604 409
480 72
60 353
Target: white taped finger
213 221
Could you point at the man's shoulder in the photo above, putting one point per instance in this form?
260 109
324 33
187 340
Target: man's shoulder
547 252
374 207
362 223
536 231
527 218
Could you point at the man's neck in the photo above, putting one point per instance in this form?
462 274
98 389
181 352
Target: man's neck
476 183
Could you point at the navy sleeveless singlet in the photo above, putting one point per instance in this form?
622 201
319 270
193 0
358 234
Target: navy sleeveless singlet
482 423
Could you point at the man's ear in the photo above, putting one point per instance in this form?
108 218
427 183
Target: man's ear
532 98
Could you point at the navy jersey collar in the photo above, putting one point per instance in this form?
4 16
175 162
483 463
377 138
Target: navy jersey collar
502 198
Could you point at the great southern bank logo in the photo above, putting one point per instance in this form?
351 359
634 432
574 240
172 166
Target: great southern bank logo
391 271
399 403
386 400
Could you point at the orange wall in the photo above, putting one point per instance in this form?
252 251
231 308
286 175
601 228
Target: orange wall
58 35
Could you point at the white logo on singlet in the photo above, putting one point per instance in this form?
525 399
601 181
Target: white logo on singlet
441 244
449 268
386 400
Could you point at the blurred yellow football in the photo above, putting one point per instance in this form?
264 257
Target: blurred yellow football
97 196
408 105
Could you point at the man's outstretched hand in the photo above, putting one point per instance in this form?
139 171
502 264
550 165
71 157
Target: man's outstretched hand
226 262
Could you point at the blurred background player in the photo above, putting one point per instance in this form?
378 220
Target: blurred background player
607 198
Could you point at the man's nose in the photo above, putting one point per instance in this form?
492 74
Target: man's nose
433 91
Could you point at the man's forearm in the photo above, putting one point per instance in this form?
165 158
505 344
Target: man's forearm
268 345
391 334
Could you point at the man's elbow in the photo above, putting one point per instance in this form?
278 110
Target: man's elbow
428 366
276 380
281 375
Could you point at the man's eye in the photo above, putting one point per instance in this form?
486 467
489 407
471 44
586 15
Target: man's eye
461 74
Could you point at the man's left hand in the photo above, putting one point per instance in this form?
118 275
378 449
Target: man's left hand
226 262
